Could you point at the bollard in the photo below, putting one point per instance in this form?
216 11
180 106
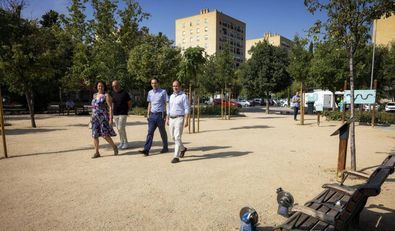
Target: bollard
248 219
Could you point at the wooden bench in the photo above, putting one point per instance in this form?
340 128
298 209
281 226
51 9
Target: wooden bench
338 207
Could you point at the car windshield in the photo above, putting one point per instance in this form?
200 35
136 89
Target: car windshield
391 104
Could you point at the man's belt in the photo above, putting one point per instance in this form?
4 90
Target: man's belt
173 117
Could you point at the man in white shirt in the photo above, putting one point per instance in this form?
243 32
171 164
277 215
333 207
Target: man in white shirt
177 119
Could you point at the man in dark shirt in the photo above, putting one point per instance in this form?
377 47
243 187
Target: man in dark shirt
121 106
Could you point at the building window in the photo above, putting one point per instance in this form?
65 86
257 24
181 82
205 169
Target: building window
183 33
205 20
191 32
197 30
191 39
205 29
197 38
206 37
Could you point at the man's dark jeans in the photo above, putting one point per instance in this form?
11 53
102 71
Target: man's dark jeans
296 109
156 120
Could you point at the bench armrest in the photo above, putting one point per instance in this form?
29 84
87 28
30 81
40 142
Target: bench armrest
314 213
355 173
340 188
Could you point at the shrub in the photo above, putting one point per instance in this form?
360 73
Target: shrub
363 117
139 111
204 110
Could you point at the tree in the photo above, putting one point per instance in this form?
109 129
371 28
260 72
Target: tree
299 65
25 56
191 67
388 80
328 66
348 24
266 71
154 58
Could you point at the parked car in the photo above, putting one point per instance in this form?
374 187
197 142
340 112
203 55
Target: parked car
226 103
259 101
244 103
390 107
366 107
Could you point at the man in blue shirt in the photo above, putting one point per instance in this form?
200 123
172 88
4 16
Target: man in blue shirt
156 114
177 119
295 104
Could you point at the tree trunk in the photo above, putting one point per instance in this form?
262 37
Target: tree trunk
60 101
222 103
190 103
267 103
352 127
301 105
30 103
198 114
193 111
230 97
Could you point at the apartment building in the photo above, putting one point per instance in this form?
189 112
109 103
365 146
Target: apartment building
213 31
273 39
384 31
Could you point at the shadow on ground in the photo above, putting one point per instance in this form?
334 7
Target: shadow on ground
11 132
214 155
382 218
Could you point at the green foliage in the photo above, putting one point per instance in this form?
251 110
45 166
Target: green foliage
299 60
384 118
265 72
328 68
140 111
154 58
388 80
216 110
191 65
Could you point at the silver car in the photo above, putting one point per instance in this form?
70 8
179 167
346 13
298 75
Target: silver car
390 107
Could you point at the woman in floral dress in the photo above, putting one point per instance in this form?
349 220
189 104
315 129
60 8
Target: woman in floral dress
101 119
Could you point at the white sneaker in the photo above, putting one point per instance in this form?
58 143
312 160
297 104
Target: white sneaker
120 146
125 146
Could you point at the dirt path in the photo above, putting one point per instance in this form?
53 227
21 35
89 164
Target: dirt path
50 183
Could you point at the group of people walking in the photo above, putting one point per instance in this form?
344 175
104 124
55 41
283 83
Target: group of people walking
162 110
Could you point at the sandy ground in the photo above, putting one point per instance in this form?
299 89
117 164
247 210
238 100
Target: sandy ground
51 183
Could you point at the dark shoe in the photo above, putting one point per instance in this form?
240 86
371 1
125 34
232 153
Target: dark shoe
115 151
183 152
96 155
175 160
144 152
164 151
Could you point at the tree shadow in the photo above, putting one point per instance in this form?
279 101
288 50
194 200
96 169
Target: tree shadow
136 123
22 131
382 218
214 155
272 117
264 228
207 148
54 152
251 127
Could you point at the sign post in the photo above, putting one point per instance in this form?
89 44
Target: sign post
343 132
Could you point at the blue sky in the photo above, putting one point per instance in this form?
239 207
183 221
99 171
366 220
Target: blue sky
286 17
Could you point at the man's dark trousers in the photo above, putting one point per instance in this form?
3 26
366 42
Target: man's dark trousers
156 120
296 109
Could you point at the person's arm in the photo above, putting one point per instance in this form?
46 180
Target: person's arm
129 105
109 103
148 109
168 112
186 111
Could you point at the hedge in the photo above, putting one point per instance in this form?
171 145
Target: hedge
204 110
384 118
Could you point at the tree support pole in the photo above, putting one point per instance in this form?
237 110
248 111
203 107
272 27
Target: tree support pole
344 103
374 107
2 126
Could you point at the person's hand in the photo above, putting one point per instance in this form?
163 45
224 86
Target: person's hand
111 122
167 121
